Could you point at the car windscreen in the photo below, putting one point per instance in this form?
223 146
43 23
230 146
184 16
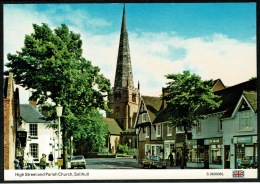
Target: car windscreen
155 158
77 158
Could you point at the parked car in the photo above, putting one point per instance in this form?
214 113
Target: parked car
153 162
78 161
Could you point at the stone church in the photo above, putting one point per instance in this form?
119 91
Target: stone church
124 100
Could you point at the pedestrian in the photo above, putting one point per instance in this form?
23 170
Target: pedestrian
50 158
20 158
43 162
170 157
16 164
30 164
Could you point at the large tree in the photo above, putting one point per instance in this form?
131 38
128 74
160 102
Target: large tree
51 64
186 93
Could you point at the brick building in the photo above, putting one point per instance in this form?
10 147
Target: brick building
11 121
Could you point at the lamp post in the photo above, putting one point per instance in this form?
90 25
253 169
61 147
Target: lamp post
130 143
59 114
137 148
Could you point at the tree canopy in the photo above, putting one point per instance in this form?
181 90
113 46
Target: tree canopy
51 65
185 94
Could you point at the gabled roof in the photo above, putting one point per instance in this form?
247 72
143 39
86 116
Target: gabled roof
218 85
230 97
251 97
113 127
153 105
30 115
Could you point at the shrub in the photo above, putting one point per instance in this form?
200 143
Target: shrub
122 148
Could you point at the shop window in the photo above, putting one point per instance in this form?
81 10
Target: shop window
216 154
245 120
158 130
33 130
245 156
195 154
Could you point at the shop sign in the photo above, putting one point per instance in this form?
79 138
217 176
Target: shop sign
215 141
247 139
192 142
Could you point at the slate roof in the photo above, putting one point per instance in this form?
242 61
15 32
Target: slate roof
113 127
230 97
30 115
153 105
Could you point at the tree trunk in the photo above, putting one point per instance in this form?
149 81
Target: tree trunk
65 150
183 158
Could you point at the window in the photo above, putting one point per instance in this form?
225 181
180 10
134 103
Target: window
147 132
216 154
245 120
33 130
198 127
220 125
134 97
169 130
144 117
179 130
34 150
158 130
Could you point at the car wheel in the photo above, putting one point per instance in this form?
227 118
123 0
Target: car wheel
72 167
164 167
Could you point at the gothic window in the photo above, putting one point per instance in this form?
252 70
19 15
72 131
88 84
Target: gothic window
134 97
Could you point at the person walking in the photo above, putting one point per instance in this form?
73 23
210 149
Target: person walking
20 158
170 157
50 158
43 162
29 161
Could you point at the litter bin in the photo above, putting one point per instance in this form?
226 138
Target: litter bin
60 162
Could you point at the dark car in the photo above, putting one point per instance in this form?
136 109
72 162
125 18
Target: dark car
153 162
78 161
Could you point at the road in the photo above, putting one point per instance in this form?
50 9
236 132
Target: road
111 163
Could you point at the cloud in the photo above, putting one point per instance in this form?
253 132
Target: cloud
153 55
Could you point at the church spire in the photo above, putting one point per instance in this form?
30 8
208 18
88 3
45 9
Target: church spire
124 75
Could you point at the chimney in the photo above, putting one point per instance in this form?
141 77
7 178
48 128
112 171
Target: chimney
32 103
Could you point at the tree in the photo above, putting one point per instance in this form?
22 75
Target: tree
186 93
51 64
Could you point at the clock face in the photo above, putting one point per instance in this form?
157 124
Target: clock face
117 109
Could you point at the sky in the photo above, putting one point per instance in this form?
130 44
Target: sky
212 40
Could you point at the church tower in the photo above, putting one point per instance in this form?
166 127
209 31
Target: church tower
124 100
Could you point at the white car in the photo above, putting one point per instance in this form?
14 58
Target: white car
78 161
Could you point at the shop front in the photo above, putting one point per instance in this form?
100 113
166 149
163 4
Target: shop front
246 152
216 153
195 151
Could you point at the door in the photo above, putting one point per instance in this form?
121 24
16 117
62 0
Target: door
206 157
227 157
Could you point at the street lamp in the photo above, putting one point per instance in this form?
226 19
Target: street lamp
137 148
59 114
